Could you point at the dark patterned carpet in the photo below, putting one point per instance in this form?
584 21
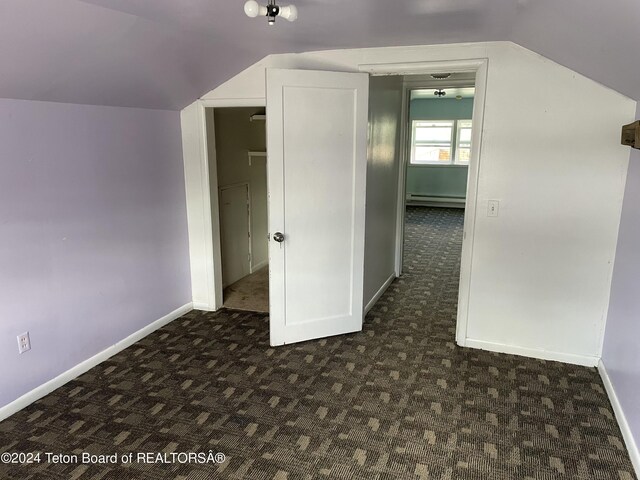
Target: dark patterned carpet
398 400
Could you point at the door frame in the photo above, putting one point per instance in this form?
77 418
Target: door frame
479 66
204 225
204 228
406 139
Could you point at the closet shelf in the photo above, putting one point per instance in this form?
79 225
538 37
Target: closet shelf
256 154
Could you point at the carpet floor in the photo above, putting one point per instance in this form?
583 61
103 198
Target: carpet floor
397 401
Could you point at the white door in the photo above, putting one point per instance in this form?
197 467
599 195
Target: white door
234 230
317 160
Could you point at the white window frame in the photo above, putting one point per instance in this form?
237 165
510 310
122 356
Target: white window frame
454 143
461 123
415 143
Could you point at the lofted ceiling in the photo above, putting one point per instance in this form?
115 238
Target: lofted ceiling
166 53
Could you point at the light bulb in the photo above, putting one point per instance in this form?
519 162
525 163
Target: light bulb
252 8
290 13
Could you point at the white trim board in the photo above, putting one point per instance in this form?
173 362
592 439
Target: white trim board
379 293
441 204
584 360
425 201
204 258
627 435
233 102
262 264
423 67
412 197
205 307
401 199
74 372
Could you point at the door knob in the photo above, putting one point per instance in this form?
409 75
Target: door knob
278 237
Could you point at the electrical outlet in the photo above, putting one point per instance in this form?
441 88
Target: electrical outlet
24 342
492 208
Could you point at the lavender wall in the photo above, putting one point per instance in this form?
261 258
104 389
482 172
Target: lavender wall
93 232
621 354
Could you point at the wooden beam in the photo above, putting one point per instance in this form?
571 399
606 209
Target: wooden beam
631 134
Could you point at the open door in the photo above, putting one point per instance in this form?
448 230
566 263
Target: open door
317 161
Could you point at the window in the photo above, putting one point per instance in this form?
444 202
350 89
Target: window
432 141
440 142
463 145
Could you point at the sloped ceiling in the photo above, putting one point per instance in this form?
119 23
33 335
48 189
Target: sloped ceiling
166 53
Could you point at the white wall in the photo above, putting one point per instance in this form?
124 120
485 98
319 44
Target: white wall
541 271
385 110
552 156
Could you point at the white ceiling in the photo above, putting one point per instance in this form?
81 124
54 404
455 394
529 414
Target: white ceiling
166 53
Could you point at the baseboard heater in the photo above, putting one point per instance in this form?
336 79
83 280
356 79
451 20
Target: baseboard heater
437 200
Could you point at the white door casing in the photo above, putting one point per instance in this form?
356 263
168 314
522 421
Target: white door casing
317 160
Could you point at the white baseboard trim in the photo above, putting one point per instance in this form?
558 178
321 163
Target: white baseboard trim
205 307
412 197
74 372
413 203
379 293
255 268
627 435
583 360
435 201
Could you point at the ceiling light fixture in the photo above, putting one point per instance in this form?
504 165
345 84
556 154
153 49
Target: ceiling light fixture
440 93
440 76
271 11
